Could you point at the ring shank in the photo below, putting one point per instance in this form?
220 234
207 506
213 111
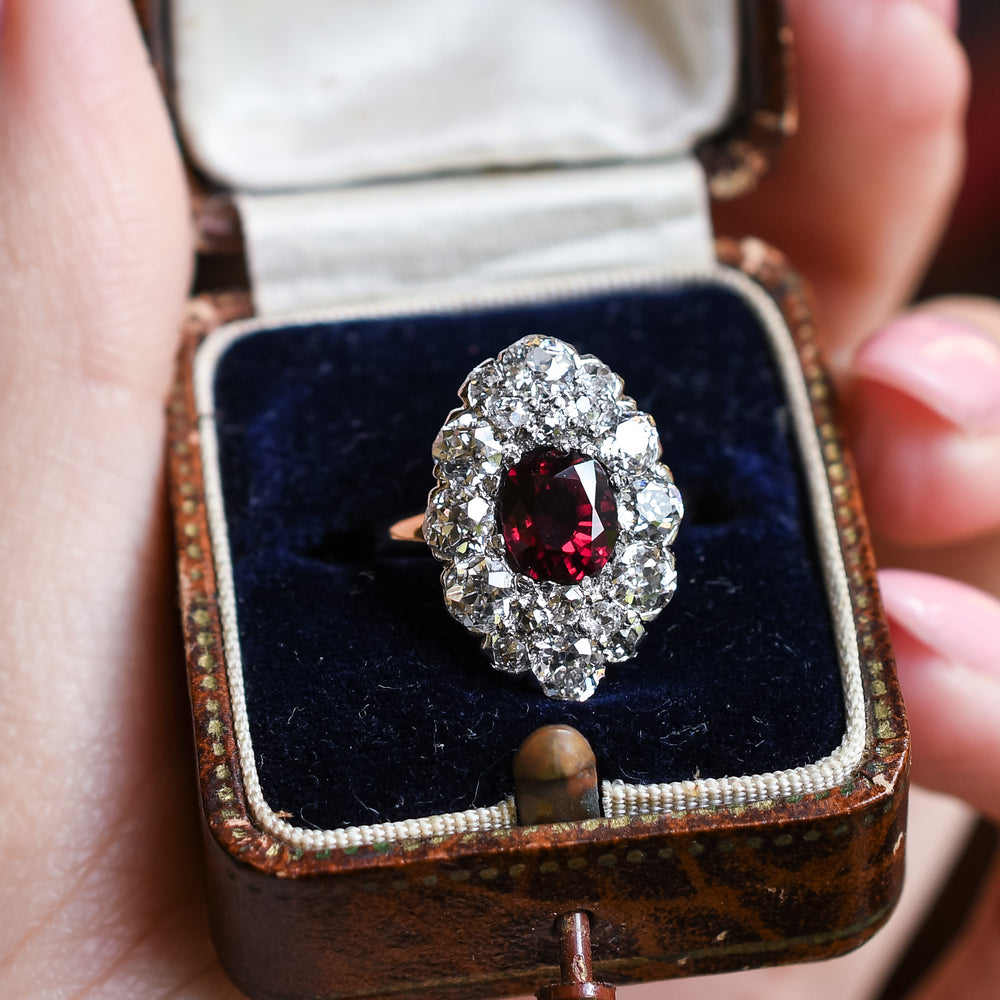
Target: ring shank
410 529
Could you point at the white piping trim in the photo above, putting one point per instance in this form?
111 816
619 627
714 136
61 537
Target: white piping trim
618 798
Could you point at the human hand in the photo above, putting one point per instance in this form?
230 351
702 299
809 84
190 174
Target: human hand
857 203
103 894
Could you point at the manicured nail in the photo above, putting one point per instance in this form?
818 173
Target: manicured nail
951 367
958 623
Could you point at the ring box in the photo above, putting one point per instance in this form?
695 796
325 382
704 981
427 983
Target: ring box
414 191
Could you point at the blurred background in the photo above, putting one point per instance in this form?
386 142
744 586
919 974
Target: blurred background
969 258
967 262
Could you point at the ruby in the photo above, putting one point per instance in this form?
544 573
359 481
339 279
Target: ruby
558 515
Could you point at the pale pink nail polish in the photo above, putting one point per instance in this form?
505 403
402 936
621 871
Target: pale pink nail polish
961 624
951 367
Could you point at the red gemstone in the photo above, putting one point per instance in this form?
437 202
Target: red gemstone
558 515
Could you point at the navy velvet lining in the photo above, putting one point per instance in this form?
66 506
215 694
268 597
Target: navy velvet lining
368 703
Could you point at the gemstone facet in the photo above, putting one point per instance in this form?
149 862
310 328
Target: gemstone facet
558 515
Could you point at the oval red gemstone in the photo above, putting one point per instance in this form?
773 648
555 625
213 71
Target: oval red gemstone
558 515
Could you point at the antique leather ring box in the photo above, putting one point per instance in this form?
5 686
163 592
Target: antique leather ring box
413 187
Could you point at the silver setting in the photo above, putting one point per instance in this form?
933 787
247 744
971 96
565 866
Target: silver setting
540 392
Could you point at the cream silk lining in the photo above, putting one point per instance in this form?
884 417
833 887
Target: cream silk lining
291 95
388 148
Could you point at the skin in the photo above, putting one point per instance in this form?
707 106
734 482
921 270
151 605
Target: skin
95 262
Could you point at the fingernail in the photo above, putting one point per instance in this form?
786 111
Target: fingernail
958 623
949 366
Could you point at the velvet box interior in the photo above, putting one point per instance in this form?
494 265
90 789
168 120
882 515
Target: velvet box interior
367 703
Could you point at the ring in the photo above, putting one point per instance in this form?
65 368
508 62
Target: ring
553 515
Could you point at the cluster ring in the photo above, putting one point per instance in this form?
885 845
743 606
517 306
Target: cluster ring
553 515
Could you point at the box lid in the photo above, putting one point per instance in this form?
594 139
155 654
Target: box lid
232 74
278 96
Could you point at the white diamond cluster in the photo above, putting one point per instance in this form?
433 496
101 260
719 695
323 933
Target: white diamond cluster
541 393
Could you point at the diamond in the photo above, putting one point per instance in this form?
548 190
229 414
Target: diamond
634 443
549 607
482 380
615 628
479 593
659 505
568 673
549 358
514 414
540 357
457 522
558 516
467 439
597 390
645 578
474 514
508 650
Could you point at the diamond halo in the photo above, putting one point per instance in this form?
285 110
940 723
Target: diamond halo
540 393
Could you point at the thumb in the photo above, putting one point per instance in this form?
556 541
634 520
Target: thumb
94 242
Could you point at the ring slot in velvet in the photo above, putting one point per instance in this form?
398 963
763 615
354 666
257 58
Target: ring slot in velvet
367 703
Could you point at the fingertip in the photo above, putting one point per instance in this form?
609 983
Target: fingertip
93 191
925 413
840 37
960 623
946 637
947 365
945 10
860 194
925 483
941 91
